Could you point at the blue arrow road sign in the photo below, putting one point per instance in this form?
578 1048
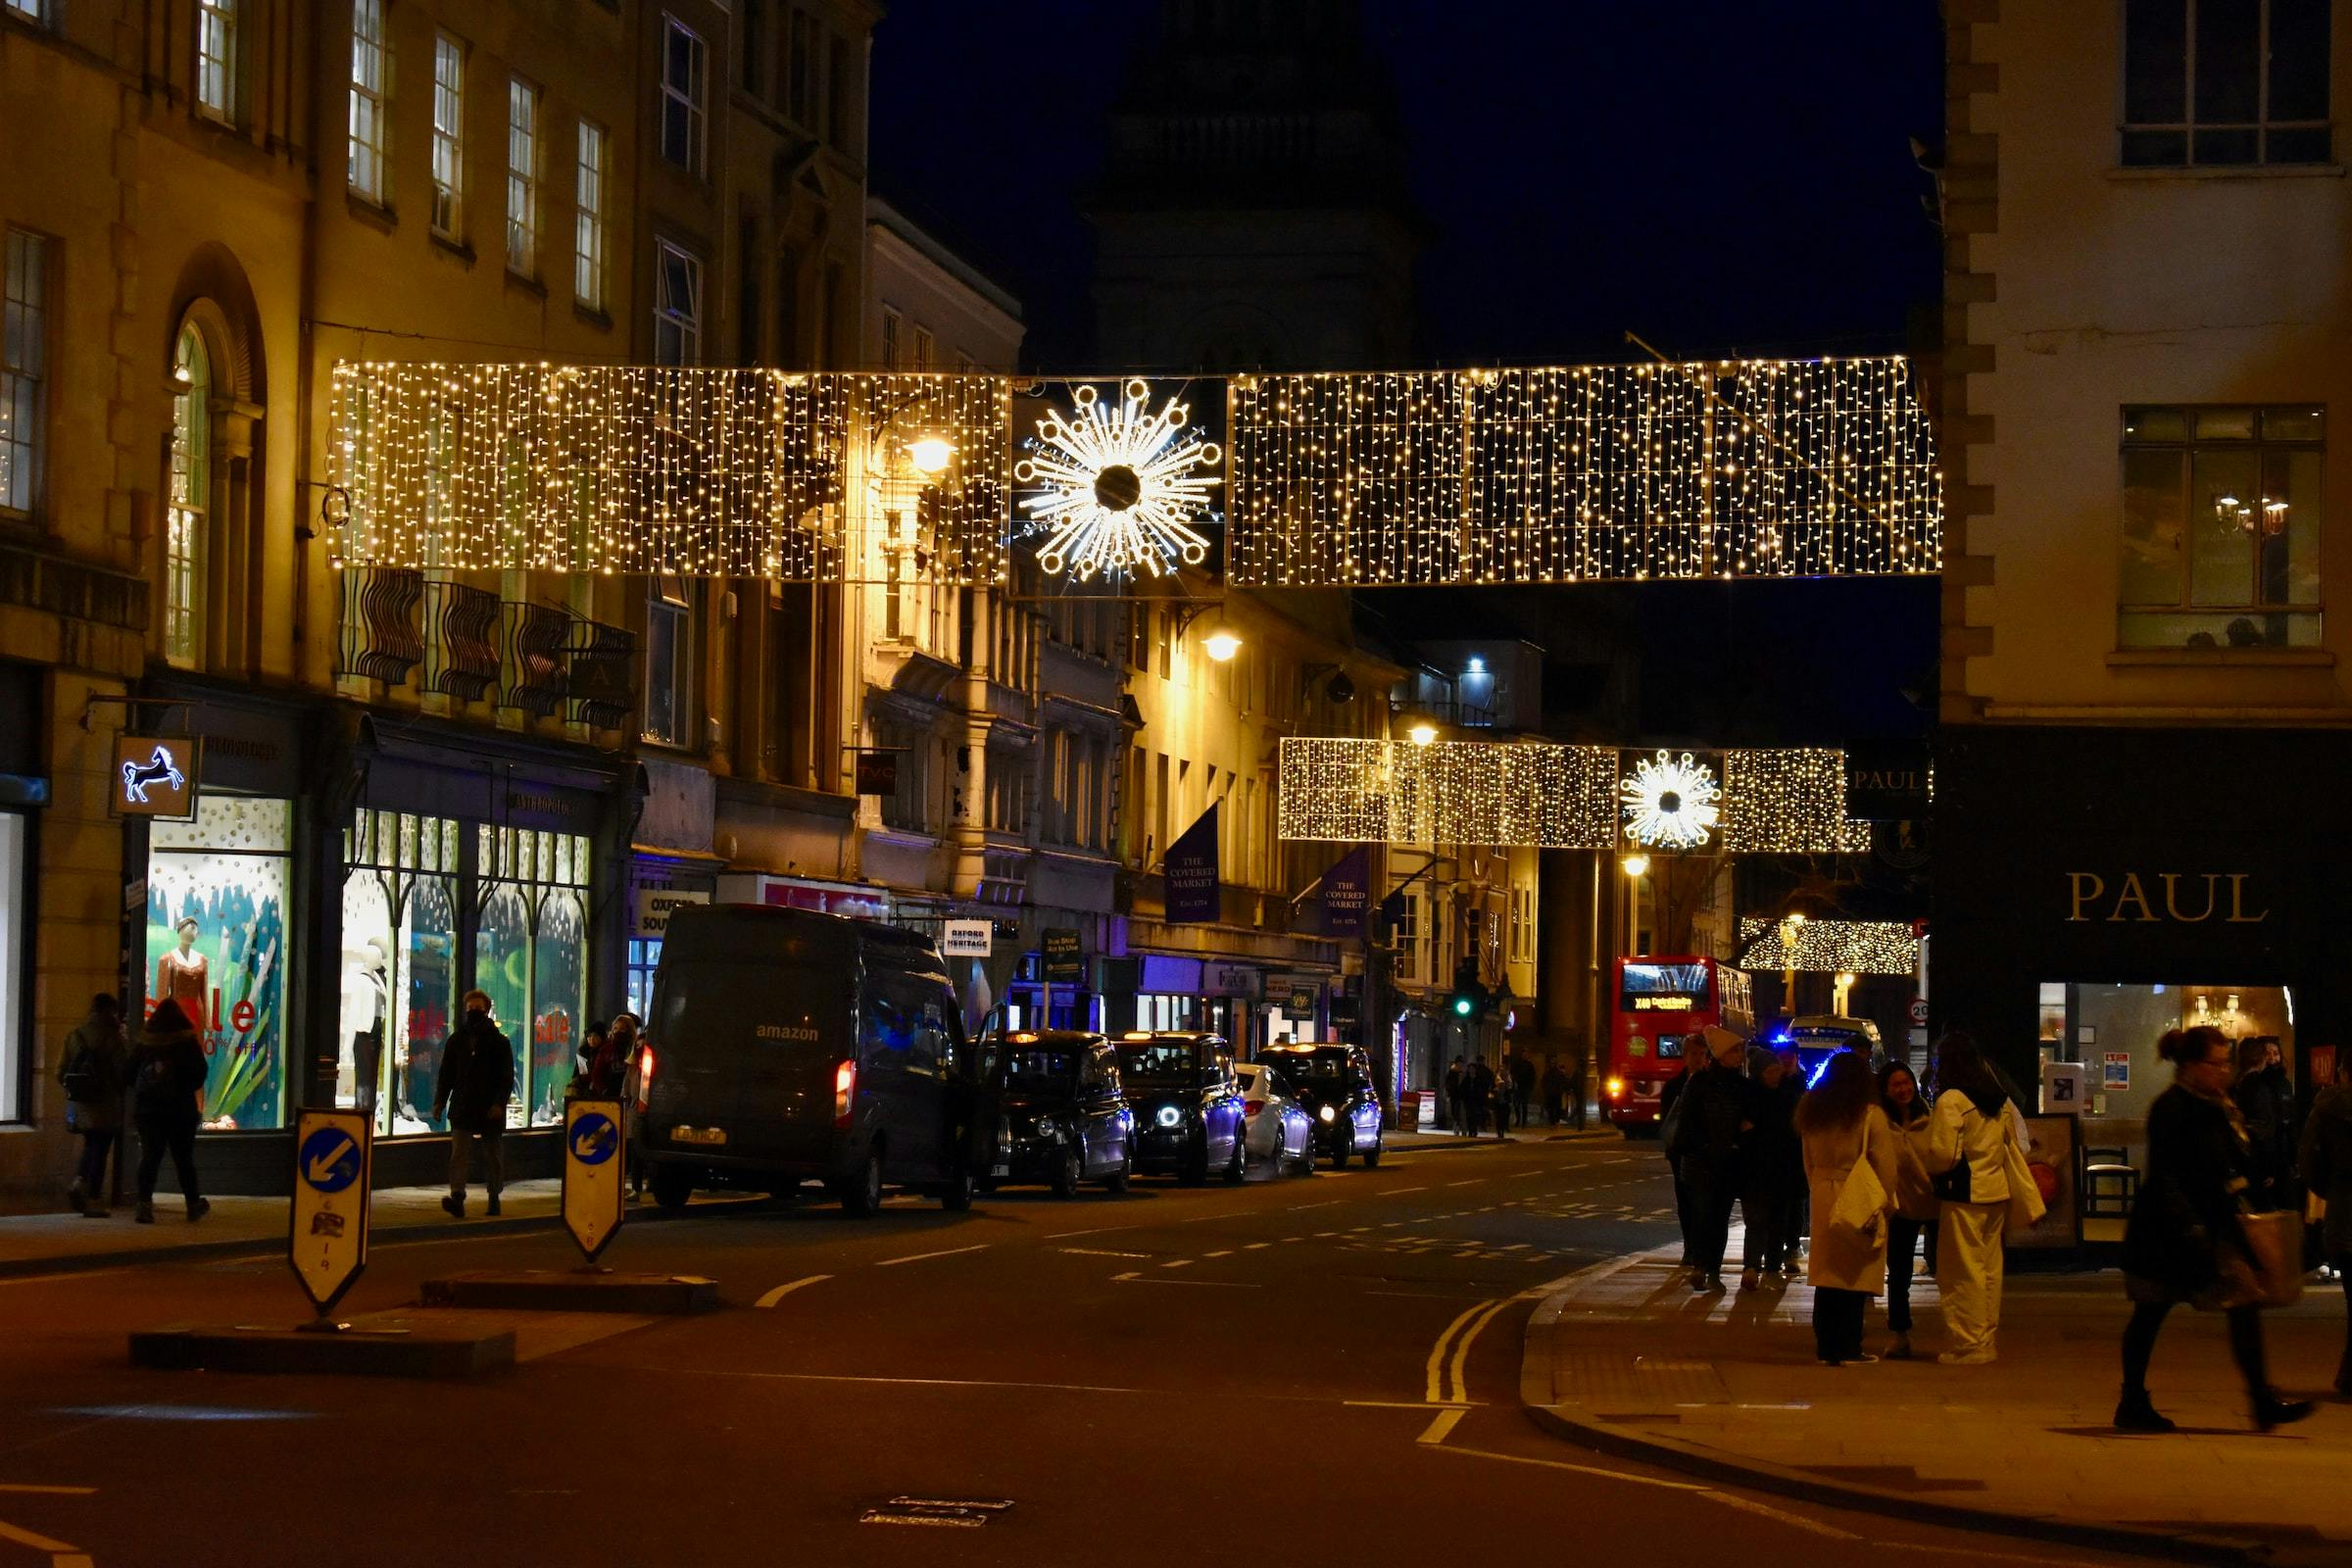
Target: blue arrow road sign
330 1159
593 1138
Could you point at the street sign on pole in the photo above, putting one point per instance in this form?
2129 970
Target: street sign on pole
593 1163
326 1243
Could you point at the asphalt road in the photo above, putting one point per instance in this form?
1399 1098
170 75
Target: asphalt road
1296 1371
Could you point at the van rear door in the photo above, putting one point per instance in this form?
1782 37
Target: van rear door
795 1031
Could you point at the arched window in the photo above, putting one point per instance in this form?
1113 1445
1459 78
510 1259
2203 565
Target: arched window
191 487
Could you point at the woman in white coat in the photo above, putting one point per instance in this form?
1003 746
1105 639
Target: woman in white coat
1969 1135
1845 1135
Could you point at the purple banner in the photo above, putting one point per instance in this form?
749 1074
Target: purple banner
1347 887
1192 872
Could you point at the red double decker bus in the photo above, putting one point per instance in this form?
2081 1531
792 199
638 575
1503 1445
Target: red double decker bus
1658 1008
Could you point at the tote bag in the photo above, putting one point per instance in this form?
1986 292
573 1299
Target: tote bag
1862 1201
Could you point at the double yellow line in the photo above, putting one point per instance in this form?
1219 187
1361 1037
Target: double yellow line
1446 1381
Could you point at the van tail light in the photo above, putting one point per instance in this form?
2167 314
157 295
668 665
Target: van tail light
644 1074
1251 1107
845 1087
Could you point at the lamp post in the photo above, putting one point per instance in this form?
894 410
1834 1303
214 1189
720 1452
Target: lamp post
1792 925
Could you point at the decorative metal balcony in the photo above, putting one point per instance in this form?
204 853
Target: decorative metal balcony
537 671
603 662
380 638
462 656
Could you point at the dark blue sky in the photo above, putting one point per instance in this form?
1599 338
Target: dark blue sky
1718 175
1715 175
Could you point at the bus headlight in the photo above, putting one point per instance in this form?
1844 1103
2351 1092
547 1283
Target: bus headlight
1614 1087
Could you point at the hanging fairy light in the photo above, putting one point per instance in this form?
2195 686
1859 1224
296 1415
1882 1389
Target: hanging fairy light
1670 802
1828 946
1119 488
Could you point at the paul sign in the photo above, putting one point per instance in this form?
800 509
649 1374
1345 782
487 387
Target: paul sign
2190 898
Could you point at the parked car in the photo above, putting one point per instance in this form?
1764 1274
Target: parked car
787 1046
1334 1084
1062 1118
1188 1109
1280 1130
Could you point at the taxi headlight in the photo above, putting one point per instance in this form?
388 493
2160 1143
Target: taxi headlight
1170 1116
1328 1114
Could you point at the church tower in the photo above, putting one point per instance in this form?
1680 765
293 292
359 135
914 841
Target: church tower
1253 213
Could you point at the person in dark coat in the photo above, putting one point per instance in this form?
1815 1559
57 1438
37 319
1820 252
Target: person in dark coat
93 1071
2266 1100
1555 1092
2183 1224
1796 1198
1478 1094
1709 1124
1771 1145
477 1079
1457 1112
167 1104
2326 1165
1667 1132
1523 1084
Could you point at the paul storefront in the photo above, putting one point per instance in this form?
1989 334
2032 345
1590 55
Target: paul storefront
2103 886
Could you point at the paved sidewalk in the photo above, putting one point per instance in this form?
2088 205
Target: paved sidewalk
1625 1359
1423 1142
63 1242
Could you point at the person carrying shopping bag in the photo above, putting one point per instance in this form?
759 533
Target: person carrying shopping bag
1972 1133
1849 1152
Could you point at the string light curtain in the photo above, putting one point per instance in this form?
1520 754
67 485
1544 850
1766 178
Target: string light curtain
604 470
1829 946
1720 468
1542 795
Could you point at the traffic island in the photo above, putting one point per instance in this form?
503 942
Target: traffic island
575 1290
372 1345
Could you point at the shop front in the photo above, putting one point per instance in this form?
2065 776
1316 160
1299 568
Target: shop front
670 867
2104 886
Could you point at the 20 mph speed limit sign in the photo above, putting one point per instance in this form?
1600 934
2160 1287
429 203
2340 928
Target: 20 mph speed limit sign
334 1156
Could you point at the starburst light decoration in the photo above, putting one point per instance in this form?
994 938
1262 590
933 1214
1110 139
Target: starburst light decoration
1669 801
1119 488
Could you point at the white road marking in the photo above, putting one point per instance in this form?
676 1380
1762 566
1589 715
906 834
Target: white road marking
1182 1262
1578 1469
1097 1231
25 1537
910 1383
917 1258
1225 1251
1731 1500
1210 1285
49 1491
1096 1252
786 1289
1256 1246
1472 1182
1400 1192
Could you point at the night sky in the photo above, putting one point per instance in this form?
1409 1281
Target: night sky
1718 175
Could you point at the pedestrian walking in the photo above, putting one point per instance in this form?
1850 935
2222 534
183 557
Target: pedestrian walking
477 1079
1523 1084
1669 1139
1970 1134
629 1048
1765 1156
1914 1211
2326 1162
92 1071
1849 1152
167 1075
1479 1092
1711 1116
2267 1100
2183 1242
1555 1092
1458 1110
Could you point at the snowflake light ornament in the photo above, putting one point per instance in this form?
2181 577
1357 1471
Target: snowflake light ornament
1670 802
1120 488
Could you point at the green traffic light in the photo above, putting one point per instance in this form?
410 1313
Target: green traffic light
1462 1007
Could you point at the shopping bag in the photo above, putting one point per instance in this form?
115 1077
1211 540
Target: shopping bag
1861 1203
2275 1239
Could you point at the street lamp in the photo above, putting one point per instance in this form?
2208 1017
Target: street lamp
1421 732
1635 866
1221 643
931 454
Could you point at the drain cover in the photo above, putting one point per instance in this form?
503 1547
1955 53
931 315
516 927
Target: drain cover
943 1513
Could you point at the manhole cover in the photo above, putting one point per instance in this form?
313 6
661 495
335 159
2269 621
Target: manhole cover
940 1513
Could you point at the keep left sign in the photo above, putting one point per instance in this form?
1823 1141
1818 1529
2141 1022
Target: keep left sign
334 1156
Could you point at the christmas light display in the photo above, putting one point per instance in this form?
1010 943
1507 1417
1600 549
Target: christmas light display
601 470
1829 946
1119 487
1549 796
1724 468
1670 802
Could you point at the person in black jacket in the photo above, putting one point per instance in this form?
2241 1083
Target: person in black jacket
1770 1146
1708 1128
2184 1225
167 1104
2266 1100
477 1079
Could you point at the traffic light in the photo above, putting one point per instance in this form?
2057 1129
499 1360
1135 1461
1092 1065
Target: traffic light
1470 997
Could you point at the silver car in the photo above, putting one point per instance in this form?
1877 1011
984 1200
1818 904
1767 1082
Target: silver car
1280 1130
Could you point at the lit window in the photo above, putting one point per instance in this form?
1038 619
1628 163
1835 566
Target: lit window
677 305
368 121
2222 523
522 176
23 370
31 11
216 59
190 496
685 67
588 222
449 134
2221 82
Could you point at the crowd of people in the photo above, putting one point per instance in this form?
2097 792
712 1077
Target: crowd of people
1877 1171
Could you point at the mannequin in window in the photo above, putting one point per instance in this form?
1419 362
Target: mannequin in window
184 975
366 999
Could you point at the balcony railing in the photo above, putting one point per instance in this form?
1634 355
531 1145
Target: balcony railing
600 662
462 656
381 639
537 674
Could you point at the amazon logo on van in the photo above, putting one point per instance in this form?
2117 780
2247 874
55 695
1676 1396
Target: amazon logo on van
784 1031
